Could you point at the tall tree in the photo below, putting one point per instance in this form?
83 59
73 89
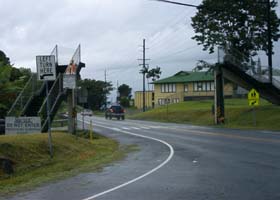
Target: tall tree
154 73
125 91
97 91
242 25
125 94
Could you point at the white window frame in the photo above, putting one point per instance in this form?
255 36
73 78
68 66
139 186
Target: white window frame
168 88
212 86
186 87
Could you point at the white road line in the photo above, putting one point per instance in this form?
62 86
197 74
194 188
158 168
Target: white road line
139 177
125 128
144 127
116 129
155 126
135 128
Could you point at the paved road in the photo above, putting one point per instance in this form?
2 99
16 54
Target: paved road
178 162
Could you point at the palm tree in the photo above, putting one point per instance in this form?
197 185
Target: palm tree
154 73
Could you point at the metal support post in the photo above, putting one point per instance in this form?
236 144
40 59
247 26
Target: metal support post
49 120
219 96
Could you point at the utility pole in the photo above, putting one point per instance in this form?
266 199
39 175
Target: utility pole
118 94
105 74
144 69
144 65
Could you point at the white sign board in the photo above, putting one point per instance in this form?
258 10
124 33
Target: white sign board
46 68
15 125
69 81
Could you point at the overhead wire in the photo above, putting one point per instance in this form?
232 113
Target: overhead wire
163 36
158 41
153 36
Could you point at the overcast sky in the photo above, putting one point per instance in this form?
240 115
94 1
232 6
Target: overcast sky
110 33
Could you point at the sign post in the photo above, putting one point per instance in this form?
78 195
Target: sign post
47 72
253 100
83 95
69 83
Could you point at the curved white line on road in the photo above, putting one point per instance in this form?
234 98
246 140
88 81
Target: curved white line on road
142 176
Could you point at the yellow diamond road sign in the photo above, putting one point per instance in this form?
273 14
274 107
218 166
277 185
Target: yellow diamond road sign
253 98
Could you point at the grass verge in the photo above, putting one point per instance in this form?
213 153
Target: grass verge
237 112
72 155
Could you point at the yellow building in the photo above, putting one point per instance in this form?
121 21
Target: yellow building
185 86
149 99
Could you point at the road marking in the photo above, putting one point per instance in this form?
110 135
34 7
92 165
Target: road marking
125 128
135 128
171 154
115 129
144 127
156 126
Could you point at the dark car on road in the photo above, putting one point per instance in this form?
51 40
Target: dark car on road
116 111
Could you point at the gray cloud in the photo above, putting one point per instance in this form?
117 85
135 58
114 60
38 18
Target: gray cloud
110 33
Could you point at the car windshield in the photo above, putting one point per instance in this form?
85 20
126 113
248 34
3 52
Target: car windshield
116 108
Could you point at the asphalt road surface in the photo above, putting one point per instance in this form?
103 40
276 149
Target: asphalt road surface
177 162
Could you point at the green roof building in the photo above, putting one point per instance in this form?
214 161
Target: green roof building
186 86
183 86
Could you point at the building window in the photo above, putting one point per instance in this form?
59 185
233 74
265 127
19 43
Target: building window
168 88
209 86
165 101
162 88
197 86
203 86
212 88
175 100
186 88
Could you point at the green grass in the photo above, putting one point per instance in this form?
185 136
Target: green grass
237 112
72 155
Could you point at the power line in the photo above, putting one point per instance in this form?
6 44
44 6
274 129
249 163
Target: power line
170 27
178 3
177 52
170 23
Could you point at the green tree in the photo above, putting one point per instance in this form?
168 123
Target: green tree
4 60
125 94
124 91
11 82
154 73
241 25
97 92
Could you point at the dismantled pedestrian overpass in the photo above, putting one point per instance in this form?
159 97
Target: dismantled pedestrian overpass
32 101
254 77
247 74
